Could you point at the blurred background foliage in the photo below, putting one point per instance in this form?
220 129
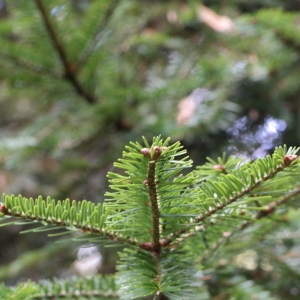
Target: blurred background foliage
79 79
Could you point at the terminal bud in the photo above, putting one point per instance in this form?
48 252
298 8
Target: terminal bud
219 167
156 152
146 152
288 159
3 209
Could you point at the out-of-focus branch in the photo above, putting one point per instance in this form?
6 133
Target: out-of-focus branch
29 66
90 45
69 68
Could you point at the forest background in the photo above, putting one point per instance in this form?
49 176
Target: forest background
80 79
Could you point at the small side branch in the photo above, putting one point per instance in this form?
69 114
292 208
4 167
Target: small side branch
237 197
269 210
69 67
77 294
88 229
185 233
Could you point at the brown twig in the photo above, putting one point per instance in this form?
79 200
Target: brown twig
155 245
69 67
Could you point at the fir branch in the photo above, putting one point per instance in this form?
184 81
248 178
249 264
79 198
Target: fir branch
79 295
30 66
266 212
289 42
99 286
168 276
147 202
271 207
234 186
90 45
238 196
69 68
84 216
50 218
247 190
287 160
282 23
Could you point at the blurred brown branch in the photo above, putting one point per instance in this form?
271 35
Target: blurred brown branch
69 67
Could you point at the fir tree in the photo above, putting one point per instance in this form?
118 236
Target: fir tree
80 78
